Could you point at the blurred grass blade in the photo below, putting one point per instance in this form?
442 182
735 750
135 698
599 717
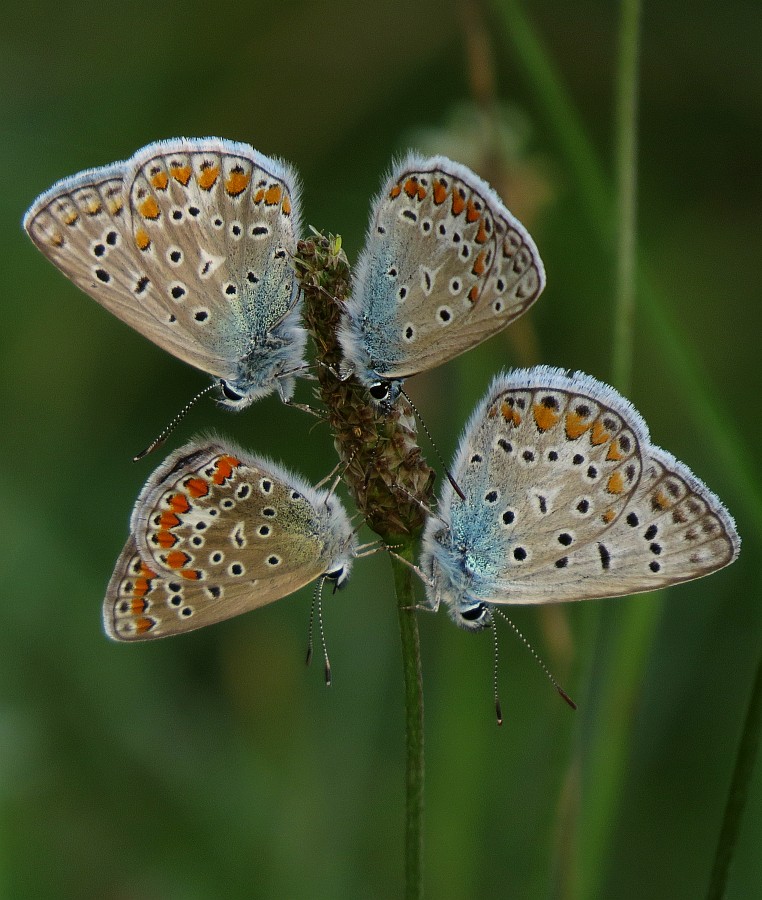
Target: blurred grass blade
738 792
564 124
621 649
626 187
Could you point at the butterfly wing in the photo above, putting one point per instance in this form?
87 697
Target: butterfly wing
567 499
180 242
673 529
214 535
445 266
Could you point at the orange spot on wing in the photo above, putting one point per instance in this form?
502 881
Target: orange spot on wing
614 454
177 559
71 217
57 239
599 435
472 213
473 294
482 235
413 188
575 426
544 417
259 196
191 574
197 487
160 180
149 208
165 539
395 191
609 516
115 205
615 484
237 182
458 202
659 501
142 239
286 205
179 503
169 520
207 176
478 267
273 195
93 207
138 606
144 624
224 468
141 586
510 414
181 173
440 192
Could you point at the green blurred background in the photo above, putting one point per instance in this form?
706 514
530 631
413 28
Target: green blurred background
215 764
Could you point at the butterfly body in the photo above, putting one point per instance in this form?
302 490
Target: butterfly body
217 532
189 242
445 266
566 499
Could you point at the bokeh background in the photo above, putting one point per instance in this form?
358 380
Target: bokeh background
215 764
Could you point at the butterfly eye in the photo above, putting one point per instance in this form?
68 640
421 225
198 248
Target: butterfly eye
338 578
478 615
379 390
229 393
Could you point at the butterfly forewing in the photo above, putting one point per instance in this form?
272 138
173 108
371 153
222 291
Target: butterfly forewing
189 242
216 228
445 266
80 225
541 468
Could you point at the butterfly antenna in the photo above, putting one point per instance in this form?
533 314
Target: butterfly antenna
157 442
453 482
322 635
534 653
310 628
498 707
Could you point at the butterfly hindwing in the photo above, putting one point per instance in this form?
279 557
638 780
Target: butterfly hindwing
567 499
216 532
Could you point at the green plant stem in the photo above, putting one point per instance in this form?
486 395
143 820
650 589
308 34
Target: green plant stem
626 181
411 666
380 454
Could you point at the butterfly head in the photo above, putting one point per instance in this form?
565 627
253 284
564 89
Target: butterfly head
270 363
341 543
384 393
470 614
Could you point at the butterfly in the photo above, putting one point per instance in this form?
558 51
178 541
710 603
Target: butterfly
445 266
217 532
189 242
566 498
